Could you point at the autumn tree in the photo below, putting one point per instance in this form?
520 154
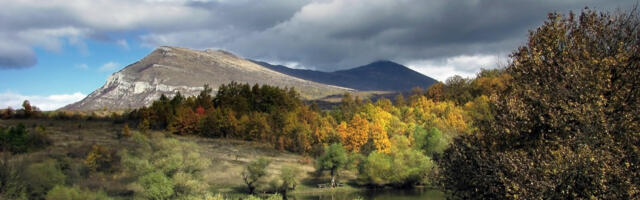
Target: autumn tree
380 138
126 132
399 100
27 108
144 126
8 113
436 92
357 133
258 128
100 158
566 127
185 122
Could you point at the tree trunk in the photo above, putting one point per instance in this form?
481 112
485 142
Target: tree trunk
333 178
251 189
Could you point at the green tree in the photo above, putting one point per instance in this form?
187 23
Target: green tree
430 142
254 172
288 176
403 167
334 159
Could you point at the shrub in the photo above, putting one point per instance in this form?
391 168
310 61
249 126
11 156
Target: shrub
60 192
180 163
19 140
126 132
39 178
12 177
156 185
100 158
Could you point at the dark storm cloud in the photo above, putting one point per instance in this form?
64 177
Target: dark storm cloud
319 34
249 15
356 32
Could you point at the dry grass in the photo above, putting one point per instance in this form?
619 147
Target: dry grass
228 156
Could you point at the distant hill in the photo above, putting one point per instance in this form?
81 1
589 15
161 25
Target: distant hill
168 70
379 76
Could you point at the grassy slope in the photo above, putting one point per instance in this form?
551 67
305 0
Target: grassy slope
229 156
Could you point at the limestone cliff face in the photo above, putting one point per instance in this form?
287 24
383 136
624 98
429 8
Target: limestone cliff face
168 70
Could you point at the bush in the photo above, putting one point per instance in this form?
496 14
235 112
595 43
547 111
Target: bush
18 140
101 158
160 164
60 192
39 178
12 177
156 185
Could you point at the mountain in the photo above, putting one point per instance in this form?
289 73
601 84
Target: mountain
168 70
379 76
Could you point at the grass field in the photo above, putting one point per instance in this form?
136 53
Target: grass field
73 138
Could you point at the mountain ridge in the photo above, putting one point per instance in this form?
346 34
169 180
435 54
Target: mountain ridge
168 70
381 75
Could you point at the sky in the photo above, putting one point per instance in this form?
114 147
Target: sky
55 52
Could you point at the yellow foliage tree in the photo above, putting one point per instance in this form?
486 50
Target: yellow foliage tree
322 130
380 138
444 115
358 133
343 132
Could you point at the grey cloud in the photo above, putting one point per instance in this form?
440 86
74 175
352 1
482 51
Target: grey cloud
14 55
249 15
320 34
404 30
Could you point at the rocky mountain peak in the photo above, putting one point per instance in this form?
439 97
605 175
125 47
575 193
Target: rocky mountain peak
168 70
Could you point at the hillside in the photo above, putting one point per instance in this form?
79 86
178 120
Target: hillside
377 76
168 70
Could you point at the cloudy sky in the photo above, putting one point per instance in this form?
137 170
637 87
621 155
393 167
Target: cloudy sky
54 52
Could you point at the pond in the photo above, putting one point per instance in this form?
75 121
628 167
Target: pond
422 194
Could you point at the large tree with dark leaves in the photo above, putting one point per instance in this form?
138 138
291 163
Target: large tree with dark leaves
567 127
